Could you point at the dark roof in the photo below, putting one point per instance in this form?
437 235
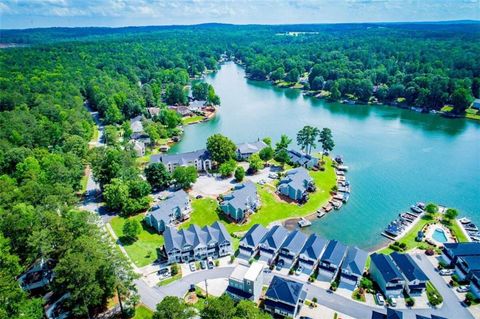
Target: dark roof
378 315
463 249
408 267
284 290
334 253
180 159
254 235
472 262
195 236
386 266
295 241
301 158
275 237
281 306
394 314
239 292
314 247
438 317
355 260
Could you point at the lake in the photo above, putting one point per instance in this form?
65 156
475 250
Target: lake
396 157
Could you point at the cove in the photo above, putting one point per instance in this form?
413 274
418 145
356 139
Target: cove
396 157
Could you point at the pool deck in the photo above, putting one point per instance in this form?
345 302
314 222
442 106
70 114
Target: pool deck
432 228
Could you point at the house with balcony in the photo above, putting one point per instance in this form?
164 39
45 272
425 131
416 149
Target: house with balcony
386 274
352 268
465 266
195 243
284 297
291 248
250 242
451 252
246 282
271 243
175 208
241 202
296 184
311 253
302 160
415 278
199 159
245 150
331 260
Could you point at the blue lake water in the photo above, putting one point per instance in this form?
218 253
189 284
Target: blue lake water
396 157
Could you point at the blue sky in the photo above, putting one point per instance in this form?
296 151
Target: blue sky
115 13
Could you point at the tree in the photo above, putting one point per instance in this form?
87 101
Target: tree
326 139
255 163
173 308
451 213
292 76
283 143
248 309
307 137
335 92
184 176
131 229
169 118
175 95
278 74
218 308
127 196
221 148
239 174
226 169
266 153
267 140
158 176
461 100
282 157
212 98
317 83
431 209
200 91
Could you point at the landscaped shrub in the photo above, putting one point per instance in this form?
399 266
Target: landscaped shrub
410 301
174 269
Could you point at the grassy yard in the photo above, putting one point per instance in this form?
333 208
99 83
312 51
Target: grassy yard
171 279
457 231
192 119
447 108
472 114
143 312
434 297
205 210
144 250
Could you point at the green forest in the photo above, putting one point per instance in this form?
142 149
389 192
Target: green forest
45 127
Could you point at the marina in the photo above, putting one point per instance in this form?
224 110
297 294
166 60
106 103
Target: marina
470 229
404 222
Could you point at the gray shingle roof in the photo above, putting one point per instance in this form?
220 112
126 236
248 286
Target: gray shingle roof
165 209
254 235
275 237
297 178
242 196
250 148
334 253
136 124
300 158
294 242
180 159
386 266
314 247
355 260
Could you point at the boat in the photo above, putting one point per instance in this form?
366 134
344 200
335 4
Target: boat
416 209
340 173
304 222
420 205
344 189
320 214
328 207
338 196
343 168
464 220
339 159
337 204
407 217
393 230
475 238
346 196
341 178
470 226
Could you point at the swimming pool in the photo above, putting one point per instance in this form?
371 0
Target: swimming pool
439 235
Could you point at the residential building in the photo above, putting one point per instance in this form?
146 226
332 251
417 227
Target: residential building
242 201
136 125
415 278
386 274
139 148
352 268
331 260
296 184
291 248
302 159
476 104
181 110
246 282
196 105
311 253
465 266
284 297
245 150
153 111
391 314
175 208
39 275
475 284
199 159
195 243
271 243
451 251
250 242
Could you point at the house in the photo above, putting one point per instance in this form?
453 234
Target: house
153 111
176 207
465 266
476 104
39 275
415 278
139 148
271 243
246 282
386 274
196 105
303 160
245 150
451 251
284 297
199 159
60 309
136 125
181 110
250 242
291 248
475 284
242 201
296 184
311 253
195 243
331 260
391 314
352 268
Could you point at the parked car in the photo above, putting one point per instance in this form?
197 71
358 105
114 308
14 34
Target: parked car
279 265
393 302
262 182
299 270
273 175
267 270
192 266
379 298
163 272
198 196
203 264
446 272
210 263
463 288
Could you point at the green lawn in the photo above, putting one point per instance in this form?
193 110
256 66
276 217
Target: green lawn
457 231
205 210
171 279
144 250
472 114
447 108
434 297
143 312
192 119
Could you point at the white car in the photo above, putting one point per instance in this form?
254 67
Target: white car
446 272
192 266
393 302
273 175
463 288
380 299
299 270
262 182
210 263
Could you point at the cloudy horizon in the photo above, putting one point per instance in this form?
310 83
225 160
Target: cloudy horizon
22 14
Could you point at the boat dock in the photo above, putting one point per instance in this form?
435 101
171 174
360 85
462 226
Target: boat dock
303 222
405 221
469 229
